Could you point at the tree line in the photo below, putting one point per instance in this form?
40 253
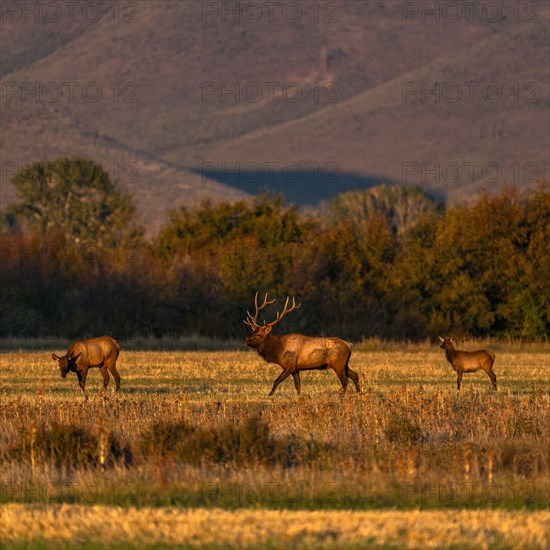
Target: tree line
387 261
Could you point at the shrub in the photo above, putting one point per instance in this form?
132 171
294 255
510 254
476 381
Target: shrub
246 443
71 446
163 437
401 428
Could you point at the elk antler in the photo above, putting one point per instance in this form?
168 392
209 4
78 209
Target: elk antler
285 311
251 320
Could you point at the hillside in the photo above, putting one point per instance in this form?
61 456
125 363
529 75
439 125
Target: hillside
155 128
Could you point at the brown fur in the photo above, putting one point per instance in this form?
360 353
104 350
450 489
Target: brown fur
296 352
468 361
82 355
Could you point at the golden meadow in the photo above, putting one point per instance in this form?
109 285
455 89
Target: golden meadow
192 442
197 428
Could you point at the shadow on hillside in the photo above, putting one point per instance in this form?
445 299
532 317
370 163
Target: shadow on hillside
303 187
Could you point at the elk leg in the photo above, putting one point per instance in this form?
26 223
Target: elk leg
116 376
343 379
105 373
296 377
283 376
458 380
493 378
82 381
354 377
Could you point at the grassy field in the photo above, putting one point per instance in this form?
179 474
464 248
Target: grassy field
61 526
193 452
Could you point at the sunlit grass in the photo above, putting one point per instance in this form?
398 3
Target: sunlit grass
69 526
409 441
236 374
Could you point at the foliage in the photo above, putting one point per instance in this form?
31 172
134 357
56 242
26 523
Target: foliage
480 269
402 206
245 443
74 196
402 428
69 446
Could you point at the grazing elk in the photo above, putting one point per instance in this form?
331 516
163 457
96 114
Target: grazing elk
468 361
296 352
82 355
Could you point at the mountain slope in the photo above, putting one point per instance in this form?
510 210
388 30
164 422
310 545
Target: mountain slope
153 114
377 132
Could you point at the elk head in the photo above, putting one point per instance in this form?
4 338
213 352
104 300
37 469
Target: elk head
447 343
64 362
260 332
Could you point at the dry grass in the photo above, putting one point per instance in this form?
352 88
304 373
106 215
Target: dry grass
196 429
237 375
77 525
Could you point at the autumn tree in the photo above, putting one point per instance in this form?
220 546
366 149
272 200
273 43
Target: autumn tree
402 206
74 196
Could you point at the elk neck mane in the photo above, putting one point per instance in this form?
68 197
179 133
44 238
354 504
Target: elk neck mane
450 354
269 348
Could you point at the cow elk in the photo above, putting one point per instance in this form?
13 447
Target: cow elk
296 352
468 361
82 355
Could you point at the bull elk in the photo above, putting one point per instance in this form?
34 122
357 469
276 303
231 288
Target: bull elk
296 352
468 361
82 355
